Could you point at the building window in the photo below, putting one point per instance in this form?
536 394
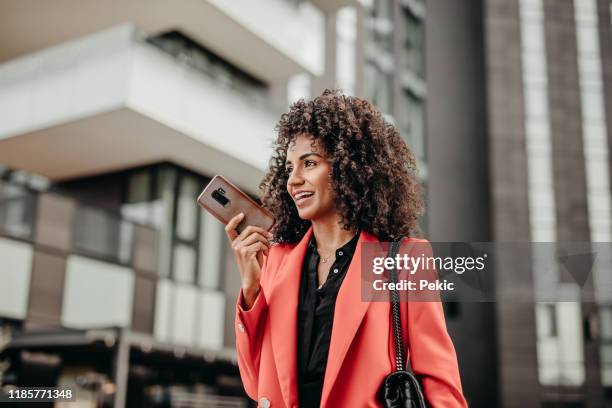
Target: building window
137 203
550 321
413 44
200 58
379 87
184 263
142 198
190 246
103 234
346 30
186 229
17 208
605 321
187 210
558 325
380 61
380 24
560 344
411 120
211 250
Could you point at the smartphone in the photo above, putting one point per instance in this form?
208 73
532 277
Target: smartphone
224 201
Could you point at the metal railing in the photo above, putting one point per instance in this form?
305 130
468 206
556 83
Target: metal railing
96 232
188 52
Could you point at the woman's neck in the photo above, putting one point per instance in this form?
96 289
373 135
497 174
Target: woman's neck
330 235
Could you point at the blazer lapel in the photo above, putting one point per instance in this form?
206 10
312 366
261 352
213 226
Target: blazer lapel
348 314
283 309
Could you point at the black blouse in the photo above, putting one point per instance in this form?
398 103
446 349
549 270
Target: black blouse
315 318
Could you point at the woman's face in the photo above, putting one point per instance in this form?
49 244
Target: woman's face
308 183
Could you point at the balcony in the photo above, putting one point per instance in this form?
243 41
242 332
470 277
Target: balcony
113 100
269 38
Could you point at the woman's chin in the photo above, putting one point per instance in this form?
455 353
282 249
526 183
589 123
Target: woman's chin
305 216
306 213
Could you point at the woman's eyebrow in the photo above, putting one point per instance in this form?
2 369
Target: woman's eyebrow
305 155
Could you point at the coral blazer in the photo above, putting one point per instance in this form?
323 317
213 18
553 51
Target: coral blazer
361 351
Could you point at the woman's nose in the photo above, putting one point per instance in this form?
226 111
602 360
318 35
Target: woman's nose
295 178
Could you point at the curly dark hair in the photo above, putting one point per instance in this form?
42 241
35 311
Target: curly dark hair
374 174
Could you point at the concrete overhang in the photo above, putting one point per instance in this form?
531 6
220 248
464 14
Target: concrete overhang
109 102
333 5
270 39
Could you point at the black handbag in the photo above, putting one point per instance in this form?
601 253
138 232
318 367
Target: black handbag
400 389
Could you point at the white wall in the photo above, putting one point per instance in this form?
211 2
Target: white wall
82 77
187 315
15 275
97 294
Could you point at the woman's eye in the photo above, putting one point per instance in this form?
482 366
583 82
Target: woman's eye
307 163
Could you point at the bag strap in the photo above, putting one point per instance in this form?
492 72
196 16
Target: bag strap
395 311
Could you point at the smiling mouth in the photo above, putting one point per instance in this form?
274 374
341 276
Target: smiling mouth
301 197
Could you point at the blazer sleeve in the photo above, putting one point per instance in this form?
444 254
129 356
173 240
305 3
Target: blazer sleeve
249 327
431 349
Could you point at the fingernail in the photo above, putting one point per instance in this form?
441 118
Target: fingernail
241 215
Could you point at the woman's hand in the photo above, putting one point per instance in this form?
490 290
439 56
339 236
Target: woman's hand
249 248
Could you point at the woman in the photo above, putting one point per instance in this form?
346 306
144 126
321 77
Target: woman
340 176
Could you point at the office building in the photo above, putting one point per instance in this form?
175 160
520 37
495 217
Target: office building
519 93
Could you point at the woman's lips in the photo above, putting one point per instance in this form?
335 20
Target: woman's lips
303 200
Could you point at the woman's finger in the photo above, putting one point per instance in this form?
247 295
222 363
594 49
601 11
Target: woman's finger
230 228
255 237
251 229
253 249
244 247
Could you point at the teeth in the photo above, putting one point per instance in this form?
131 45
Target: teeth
302 195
